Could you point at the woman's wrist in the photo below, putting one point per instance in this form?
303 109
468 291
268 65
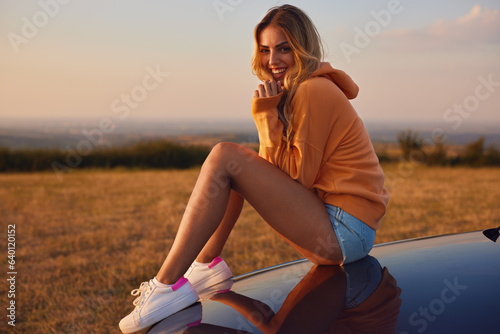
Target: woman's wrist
266 104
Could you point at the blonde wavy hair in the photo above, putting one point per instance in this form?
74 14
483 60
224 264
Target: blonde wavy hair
305 42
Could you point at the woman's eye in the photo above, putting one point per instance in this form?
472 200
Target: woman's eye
284 49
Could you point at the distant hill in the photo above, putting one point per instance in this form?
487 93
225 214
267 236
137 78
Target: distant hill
387 132
61 133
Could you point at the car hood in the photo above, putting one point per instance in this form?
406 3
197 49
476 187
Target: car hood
442 284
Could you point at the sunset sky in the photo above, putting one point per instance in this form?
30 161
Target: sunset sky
428 60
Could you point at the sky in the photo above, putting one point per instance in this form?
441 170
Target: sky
420 60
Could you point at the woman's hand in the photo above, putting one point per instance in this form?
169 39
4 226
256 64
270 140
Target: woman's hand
268 88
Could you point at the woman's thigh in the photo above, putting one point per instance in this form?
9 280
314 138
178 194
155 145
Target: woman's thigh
292 210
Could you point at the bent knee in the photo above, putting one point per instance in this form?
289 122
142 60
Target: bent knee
228 156
232 151
224 149
224 146
220 151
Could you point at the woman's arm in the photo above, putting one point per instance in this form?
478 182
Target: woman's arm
265 114
316 107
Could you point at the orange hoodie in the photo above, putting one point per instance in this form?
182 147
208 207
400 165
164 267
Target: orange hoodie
330 152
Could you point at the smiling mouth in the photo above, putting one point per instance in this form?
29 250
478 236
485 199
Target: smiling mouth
278 71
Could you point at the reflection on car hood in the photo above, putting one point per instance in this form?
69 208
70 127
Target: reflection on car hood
443 284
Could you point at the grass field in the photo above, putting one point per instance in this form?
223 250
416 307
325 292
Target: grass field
84 243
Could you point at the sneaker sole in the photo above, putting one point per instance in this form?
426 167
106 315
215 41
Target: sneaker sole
162 313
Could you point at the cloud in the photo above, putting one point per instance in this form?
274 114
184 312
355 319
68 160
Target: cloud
478 26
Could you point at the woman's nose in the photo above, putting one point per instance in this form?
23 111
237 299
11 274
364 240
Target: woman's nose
274 58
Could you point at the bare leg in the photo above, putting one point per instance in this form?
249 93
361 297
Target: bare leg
292 210
214 246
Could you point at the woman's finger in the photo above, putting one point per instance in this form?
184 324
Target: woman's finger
274 88
262 91
268 88
270 91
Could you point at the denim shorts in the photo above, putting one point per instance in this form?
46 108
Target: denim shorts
355 237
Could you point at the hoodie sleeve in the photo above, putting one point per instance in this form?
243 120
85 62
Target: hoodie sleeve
315 105
269 126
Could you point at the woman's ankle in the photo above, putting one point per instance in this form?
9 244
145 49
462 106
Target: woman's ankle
166 277
202 258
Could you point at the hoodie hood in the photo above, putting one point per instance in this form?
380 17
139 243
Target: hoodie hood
339 78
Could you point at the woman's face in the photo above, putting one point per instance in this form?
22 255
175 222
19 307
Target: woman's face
276 53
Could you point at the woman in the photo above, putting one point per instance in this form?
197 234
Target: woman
316 180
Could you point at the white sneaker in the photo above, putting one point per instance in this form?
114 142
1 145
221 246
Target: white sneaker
203 276
154 304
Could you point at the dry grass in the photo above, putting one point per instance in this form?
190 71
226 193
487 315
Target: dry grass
84 243
436 200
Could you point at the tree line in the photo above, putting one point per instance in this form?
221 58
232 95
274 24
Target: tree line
154 154
435 152
166 154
